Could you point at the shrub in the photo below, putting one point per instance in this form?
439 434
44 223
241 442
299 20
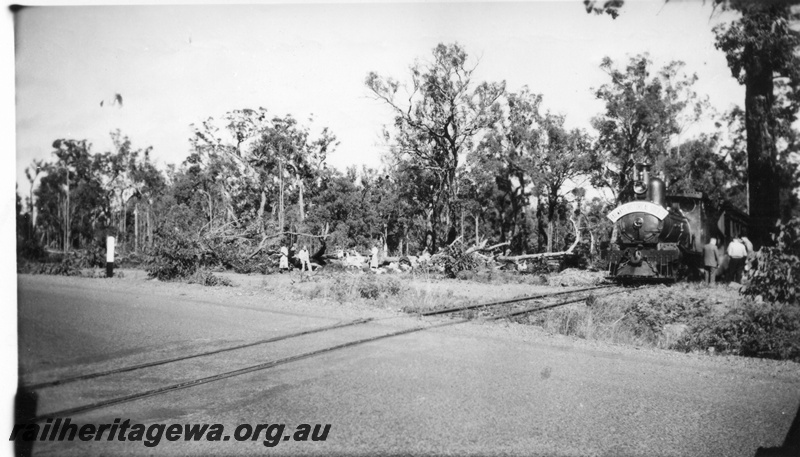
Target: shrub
454 259
751 329
346 287
173 257
207 278
30 250
372 288
778 272
63 264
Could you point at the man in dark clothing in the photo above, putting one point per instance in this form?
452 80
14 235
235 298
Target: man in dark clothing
711 260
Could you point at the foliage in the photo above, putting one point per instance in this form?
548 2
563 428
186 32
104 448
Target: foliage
346 287
761 47
174 257
610 7
371 288
29 249
696 166
207 278
243 162
446 112
526 155
776 277
750 329
71 263
642 113
650 316
683 317
454 259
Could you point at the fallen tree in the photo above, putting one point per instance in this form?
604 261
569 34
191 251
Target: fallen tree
546 255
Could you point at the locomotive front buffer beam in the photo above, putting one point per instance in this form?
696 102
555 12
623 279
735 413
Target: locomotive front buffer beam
637 264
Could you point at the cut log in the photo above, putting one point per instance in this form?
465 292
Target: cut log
482 248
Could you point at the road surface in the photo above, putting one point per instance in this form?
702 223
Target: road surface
470 389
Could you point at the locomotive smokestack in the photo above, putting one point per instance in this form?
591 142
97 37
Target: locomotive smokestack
646 174
657 191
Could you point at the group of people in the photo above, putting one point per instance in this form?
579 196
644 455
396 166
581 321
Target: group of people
740 253
302 256
304 259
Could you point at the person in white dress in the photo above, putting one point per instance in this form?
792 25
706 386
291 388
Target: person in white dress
373 260
284 262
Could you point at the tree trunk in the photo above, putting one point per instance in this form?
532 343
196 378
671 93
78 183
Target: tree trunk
762 173
136 228
302 214
261 206
149 227
477 237
280 197
66 218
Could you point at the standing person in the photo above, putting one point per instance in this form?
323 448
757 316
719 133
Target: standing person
284 262
303 257
748 245
738 253
711 261
373 261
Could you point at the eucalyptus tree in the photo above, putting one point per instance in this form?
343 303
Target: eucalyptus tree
564 156
533 157
71 203
510 151
248 161
437 119
643 112
762 47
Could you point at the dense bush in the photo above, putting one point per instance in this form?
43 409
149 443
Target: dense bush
63 264
173 257
649 317
29 249
237 256
683 317
750 329
778 273
454 259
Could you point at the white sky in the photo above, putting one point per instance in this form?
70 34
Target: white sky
177 65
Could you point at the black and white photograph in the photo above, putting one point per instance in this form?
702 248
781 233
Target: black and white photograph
466 228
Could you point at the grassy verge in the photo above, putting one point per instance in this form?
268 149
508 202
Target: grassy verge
382 291
684 317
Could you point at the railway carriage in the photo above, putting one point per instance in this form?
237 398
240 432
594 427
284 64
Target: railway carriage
659 237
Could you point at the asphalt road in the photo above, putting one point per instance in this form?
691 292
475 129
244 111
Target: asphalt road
476 389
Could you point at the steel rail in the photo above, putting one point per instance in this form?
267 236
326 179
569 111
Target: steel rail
534 309
274 363
140 366
230 374
511 300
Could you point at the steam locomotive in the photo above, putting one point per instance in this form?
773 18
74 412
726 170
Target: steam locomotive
660 237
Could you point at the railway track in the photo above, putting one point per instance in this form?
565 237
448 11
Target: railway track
488 311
